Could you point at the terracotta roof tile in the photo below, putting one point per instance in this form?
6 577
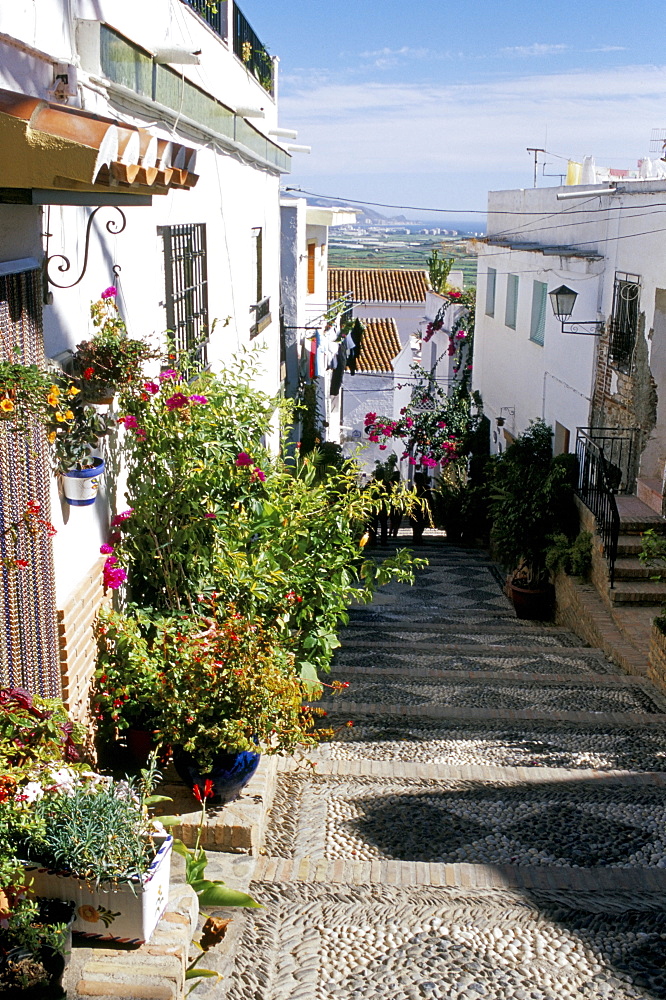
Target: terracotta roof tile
381 345
378 284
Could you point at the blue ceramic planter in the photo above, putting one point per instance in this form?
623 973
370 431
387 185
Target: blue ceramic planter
230 773
80 485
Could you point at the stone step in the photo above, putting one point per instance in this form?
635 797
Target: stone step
375 740
629 545
636 516
631 568
649 491
652 592
487 659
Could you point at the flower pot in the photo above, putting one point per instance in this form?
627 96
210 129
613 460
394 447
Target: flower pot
80 485
140 743
532 603
230 773
43 969
126 912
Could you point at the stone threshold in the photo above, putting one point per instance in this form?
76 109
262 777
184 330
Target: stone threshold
508 677
474 649
422 873
477 772
596 719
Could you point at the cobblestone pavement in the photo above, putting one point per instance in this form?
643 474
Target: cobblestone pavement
491 827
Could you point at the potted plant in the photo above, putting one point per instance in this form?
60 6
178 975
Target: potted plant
74 439
92 842
531 500
35 943
28 392
111 359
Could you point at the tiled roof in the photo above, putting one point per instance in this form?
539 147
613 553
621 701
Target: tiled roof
378 284
381 344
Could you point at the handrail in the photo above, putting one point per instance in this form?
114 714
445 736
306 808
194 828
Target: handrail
619 447
595 490
251 52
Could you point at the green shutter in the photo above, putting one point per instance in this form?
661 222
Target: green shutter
538 322
511 310
491 283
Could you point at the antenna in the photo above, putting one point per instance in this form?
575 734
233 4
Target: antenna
658 142
530 149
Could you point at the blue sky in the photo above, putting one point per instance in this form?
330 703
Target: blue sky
434 104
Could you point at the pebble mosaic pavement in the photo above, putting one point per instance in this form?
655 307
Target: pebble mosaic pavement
492 826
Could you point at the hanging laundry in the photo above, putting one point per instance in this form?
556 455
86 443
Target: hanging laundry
574 171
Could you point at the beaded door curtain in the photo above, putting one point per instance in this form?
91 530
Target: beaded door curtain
29 634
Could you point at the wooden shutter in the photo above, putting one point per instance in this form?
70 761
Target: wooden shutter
538 321
311 268
511 310
491 283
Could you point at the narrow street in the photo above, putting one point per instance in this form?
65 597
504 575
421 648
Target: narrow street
491 826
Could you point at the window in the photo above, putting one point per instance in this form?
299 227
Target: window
624 319
186 281
311 268
538 322
491 284
511 301
29 654
262 306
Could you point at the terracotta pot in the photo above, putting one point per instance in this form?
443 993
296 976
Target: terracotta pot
532 603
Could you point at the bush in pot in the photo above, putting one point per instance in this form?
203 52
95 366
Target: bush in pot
531 500
35 941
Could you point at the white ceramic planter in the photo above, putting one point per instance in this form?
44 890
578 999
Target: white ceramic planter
80 486
127 913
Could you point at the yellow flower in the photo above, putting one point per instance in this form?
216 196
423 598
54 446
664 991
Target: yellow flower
364 540
52 399
6 405
60 418
69 415
73 391
52 437
55 390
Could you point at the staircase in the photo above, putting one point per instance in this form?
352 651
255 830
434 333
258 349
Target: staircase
634 583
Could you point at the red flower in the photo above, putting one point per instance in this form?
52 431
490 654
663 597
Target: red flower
88 373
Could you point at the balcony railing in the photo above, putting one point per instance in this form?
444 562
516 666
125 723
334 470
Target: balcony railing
212 11
618 445
262 316
251 52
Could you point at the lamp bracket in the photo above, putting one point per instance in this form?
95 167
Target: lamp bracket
113 226
594 327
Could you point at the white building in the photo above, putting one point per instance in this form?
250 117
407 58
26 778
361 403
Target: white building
605 242
165 111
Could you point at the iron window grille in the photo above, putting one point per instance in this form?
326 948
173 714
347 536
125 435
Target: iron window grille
186 281
624 320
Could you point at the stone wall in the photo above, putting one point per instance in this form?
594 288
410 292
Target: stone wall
77 644
657 658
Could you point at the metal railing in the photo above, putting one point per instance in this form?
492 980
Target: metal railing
214 12
595 490
251 52
618 445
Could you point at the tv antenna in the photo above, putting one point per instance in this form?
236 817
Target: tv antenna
530 149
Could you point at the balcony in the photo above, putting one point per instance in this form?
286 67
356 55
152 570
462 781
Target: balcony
214 12
247 46
251 52
262 317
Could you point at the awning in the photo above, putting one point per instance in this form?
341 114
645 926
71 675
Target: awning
55 147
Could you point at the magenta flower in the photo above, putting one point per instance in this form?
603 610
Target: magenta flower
176 402
370 418
114 576
110 292
151 387
211 516
243 459
140 434
197 399
461 335
119 518
129 421
106 549
169 373
382 447
258 474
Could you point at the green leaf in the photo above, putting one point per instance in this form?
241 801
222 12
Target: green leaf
152 800
178 846
219 894
171 821
201 974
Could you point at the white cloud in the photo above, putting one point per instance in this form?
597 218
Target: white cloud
536 50
452 128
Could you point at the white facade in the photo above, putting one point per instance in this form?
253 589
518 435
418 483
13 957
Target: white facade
236 197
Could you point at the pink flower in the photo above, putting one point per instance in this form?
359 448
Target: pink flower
114 576
168 374
461 335
151 387
210 516
370 418
176 402
409 422
106 549
412 460
258 474
119 518
140 434
382 447
403 410
441 424
452 349
243 459
129 421
110 292
197 399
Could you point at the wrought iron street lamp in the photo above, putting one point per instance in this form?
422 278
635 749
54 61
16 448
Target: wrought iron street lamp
563 300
